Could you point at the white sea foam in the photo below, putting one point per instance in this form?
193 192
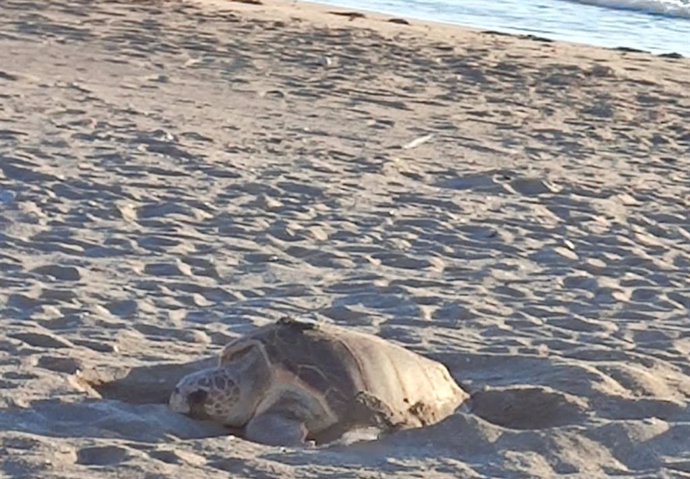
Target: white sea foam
673 8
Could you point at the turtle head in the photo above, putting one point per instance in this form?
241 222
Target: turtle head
230 392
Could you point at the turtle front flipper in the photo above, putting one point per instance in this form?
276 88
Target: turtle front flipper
276 429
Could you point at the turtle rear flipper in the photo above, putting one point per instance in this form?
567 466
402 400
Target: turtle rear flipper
370 410
365 412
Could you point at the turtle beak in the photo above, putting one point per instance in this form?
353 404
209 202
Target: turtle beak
190 404
178 402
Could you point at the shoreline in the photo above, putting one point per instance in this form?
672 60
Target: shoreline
382 16
568 36
361 18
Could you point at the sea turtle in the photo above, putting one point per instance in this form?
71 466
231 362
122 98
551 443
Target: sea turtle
292 382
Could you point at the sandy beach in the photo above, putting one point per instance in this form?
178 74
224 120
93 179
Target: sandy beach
174 174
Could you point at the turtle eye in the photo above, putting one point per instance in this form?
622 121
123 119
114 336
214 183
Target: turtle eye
220 381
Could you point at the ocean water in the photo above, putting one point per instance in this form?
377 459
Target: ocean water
658 26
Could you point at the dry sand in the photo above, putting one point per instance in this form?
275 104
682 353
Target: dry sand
174 174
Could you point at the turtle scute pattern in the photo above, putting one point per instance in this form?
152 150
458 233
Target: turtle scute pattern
330 379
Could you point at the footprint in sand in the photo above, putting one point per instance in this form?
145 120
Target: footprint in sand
7 197
42 340
102 455
59 272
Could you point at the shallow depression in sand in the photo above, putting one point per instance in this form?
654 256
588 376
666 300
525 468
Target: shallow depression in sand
518 407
